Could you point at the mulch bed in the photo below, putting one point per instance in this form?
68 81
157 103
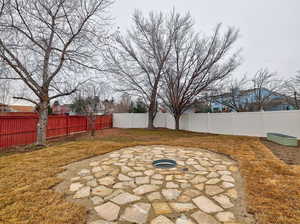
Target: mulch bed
290 155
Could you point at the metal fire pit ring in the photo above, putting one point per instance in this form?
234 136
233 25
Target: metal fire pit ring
164 163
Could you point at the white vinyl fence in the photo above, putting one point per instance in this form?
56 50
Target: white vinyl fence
245 123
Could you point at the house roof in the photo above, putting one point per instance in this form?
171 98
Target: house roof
21 108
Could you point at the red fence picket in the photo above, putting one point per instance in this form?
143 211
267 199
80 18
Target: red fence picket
21 130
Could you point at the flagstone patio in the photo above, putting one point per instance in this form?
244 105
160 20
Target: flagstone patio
124 187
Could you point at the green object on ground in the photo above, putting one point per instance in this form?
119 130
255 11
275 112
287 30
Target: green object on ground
282 139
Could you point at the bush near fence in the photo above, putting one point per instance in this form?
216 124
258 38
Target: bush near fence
21 130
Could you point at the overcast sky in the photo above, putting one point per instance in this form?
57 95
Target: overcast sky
269 29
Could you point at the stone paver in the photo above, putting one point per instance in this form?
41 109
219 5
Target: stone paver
207 205
137 213
108 211
124 187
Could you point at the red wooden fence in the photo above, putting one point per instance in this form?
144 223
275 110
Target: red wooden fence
21 130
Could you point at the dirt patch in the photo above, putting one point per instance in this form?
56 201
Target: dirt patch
290 155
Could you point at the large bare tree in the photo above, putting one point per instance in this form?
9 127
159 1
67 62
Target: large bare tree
139 59
197 62
48 43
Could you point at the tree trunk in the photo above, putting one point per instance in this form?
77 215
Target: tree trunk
150 118
177 118
42 123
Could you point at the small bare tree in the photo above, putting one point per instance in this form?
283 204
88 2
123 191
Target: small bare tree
48 43
89 102
264 88
139 59
5 91
196 64
291 89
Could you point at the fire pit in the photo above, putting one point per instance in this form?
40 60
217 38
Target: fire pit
164 163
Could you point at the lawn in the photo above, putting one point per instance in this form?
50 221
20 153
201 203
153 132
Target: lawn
26 179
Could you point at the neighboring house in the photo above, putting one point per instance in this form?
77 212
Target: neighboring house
21 108
61 109
4 108
247 100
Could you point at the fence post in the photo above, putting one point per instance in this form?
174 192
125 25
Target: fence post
68 123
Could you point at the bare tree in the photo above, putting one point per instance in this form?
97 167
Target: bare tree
264 88
233 94
125 104
48 43
5 91
89 102
139 59
291 90
196 64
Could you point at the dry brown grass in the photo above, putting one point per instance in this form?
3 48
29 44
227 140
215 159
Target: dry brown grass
272 187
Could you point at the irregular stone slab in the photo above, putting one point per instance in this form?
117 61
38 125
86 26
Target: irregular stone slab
206 205
185 185
75 179
142 180
227 178
220 167
97 200
232 193
157 182
182 207
227 185
94 163
161 220
144 189
137 213
107 181
82 193
135 174
200 187
161 208
200 168
198 179
149 172
192 192
171 194
102 173
88 178
213 190
233 168
125 198
213 181
102 191
92 183
224 201
96 169
108 211
84 172
158 177
125 169
224 172
213 175
225 216
154 196
172 185
114 194
184 198
184 220
123 177
203 218
75 186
